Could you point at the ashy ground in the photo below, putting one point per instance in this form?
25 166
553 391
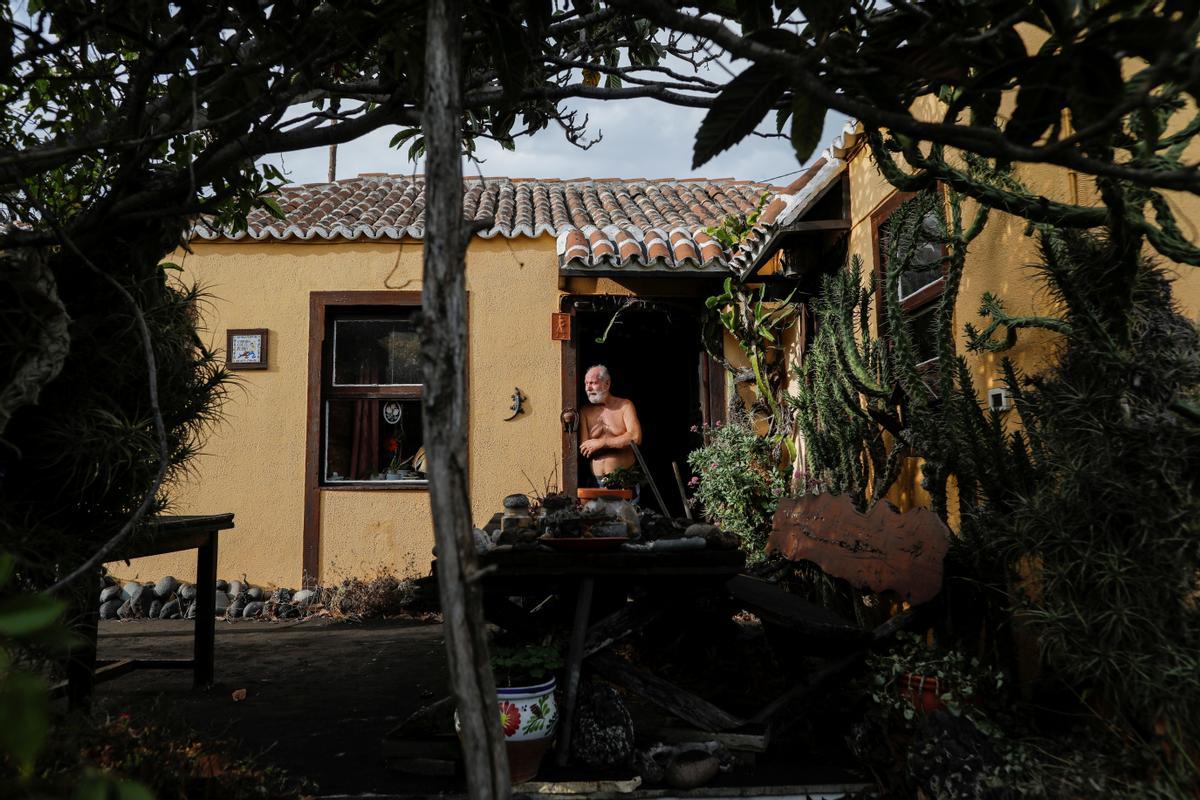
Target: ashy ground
320 696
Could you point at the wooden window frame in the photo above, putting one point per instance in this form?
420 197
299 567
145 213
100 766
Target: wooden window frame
320 304
331 391
926 296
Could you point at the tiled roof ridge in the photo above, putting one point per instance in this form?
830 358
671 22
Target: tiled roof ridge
653 225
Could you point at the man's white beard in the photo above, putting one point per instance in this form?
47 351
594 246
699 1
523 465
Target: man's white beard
597 396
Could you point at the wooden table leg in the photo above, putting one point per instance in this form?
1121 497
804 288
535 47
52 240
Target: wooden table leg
583 609
206 613
81 657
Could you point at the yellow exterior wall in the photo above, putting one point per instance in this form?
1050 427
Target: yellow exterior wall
999 262
254 462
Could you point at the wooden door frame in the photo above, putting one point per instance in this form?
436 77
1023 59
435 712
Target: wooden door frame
711 392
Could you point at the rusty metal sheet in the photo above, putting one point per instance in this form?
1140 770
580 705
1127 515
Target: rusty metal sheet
882 549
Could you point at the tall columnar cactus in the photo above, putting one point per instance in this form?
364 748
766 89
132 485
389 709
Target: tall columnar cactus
865 401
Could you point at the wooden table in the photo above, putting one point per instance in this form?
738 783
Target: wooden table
672 576
168 534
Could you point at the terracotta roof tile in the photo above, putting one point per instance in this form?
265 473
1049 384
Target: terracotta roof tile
600 224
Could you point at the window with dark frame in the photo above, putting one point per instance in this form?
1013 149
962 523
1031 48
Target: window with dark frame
920 288
371 427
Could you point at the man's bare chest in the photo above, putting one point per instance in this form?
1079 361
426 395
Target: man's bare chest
605 421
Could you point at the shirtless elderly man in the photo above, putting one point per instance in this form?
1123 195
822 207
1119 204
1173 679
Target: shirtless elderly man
610 425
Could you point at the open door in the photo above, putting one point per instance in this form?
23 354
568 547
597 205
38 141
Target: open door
653 351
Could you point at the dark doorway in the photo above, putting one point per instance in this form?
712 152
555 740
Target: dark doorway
653 352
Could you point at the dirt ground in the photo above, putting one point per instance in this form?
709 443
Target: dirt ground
320 695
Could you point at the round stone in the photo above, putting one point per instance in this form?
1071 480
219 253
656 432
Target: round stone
108 609
253 609
140 600
165 587
236 588
222 586
110 593
191 612
128 589
187 592
126 611
516 502
303 597
170 610
254 593
222 602
155 609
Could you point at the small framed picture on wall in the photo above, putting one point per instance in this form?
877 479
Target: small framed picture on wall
246 348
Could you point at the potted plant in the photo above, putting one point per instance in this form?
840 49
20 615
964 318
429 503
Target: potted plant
918 679
525 696
618 484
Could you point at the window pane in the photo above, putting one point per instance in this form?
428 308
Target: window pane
373 440
923 325
928 255
376 352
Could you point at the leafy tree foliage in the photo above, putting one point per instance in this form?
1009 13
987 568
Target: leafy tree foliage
1105 89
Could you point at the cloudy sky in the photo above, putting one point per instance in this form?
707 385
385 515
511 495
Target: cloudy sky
641 139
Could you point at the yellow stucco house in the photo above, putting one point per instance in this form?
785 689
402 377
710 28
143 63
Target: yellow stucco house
319 454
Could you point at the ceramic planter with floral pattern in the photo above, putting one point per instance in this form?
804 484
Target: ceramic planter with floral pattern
529 717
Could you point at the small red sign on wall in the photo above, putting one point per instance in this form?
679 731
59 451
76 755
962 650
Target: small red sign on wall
560 327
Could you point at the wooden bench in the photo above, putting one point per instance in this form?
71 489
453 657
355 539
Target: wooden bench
881 550
161 535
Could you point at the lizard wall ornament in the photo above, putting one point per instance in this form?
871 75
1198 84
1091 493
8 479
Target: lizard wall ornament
516 407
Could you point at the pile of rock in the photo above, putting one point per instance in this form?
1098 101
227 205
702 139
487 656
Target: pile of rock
170 599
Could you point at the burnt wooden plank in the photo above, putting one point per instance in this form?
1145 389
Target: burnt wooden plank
583 610
172 534
773 604
664 694
615 627
617 563
882 549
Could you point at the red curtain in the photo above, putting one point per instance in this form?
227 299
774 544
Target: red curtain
364 447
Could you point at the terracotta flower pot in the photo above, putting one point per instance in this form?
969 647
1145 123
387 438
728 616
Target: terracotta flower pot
591 493
923 691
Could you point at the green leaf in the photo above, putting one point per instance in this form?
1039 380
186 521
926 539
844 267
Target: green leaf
25 709
91 787
129 790
736 112
272 207
781 118
808 122
26 614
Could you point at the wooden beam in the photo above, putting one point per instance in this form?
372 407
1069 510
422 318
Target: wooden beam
665 694
615 627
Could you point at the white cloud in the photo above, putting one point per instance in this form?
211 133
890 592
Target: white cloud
641 138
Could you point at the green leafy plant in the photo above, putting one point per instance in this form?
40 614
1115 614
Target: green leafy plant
962 681
734 228
738 481
25 619
623 478
758 325
524 664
